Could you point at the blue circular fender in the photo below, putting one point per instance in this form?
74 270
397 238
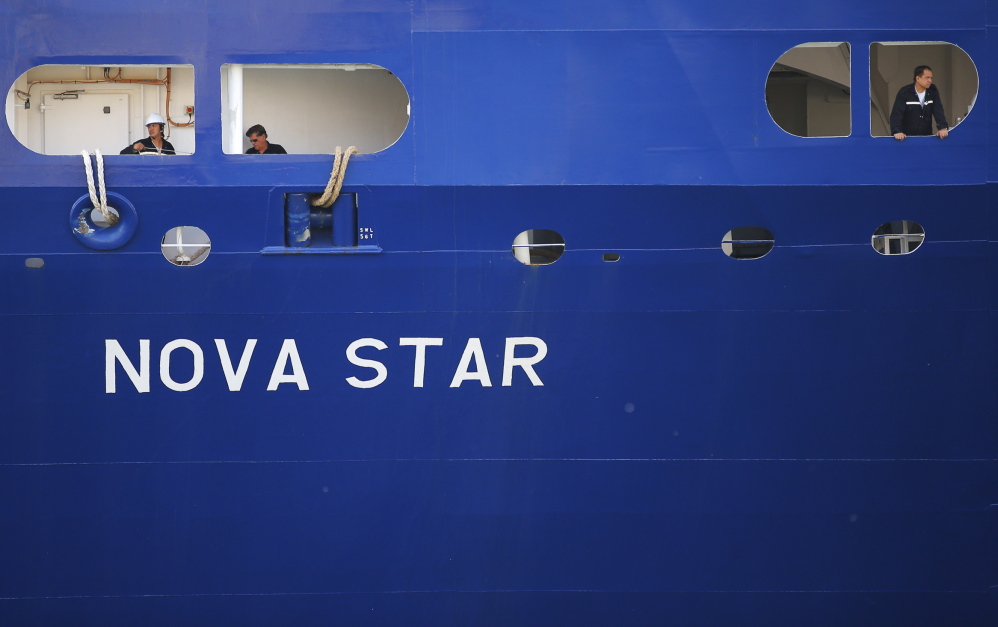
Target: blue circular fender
98 237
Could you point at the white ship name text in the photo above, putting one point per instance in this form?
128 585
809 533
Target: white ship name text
288 369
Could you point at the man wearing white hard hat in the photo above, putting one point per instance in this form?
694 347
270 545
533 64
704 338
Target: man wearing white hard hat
155 142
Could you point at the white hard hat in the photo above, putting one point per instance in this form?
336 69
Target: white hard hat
155 118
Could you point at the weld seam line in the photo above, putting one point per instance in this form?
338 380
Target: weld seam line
454 591
496 459
499 312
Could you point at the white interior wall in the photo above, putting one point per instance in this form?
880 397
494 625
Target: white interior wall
28 124
182 94
310 110
16 120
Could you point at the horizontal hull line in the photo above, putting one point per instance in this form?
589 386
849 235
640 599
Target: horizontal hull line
452 591
493 312
500 459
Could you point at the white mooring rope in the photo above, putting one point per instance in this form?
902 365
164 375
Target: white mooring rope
335 177
99 204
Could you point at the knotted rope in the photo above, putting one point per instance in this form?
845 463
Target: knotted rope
335 177
99 204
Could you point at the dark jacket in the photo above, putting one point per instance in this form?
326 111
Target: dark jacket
272 149
908 115
148 146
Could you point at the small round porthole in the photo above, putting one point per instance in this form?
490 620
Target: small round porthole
538 247
186 246
899 237
747 242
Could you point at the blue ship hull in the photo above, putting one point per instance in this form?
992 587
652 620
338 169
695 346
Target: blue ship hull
806 438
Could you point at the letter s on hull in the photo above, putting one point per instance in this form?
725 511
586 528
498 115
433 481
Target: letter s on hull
377 366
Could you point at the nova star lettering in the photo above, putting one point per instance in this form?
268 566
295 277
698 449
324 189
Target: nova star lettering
289 369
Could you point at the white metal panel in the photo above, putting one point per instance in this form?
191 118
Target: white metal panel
89 122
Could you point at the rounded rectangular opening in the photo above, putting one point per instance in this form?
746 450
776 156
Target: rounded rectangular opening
808 88
311 109
66 109
892 65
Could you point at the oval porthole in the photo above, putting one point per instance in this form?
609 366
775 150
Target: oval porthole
807 90
747 242
186 246
538 247
894 68
900 237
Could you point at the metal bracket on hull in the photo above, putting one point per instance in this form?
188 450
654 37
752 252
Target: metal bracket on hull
314 230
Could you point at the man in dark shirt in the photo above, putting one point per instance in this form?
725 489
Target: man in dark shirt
916 105
155 143
258 137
